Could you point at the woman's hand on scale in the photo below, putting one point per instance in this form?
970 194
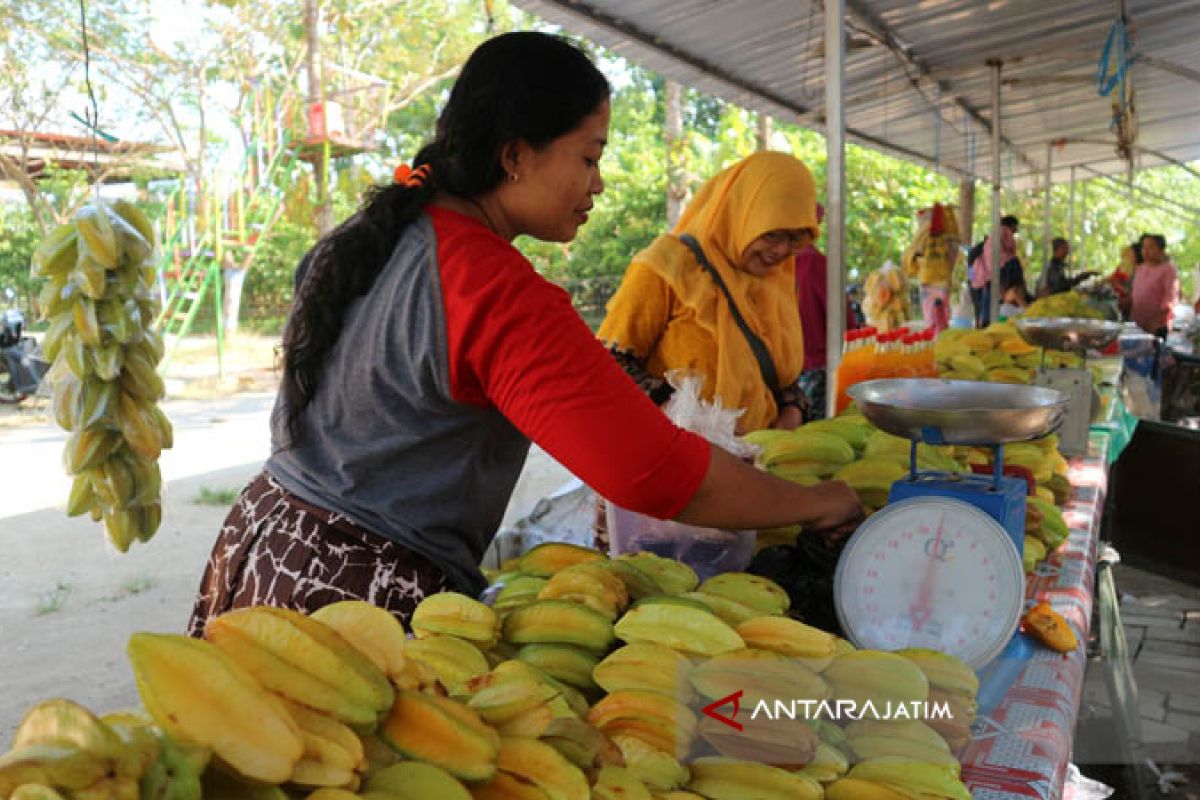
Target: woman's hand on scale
837 511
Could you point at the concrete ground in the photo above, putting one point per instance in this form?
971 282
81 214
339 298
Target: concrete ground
1161 618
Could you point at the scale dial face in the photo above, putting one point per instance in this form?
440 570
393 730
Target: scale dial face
931 572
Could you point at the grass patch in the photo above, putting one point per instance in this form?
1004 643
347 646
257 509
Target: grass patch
138 584
215 497
133 586
53 600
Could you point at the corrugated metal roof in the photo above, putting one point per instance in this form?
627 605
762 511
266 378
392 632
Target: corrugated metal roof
933 102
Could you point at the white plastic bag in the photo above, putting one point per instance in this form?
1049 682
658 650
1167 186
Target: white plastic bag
688 409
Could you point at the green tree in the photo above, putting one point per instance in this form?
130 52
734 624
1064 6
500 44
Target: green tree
206 93
21 235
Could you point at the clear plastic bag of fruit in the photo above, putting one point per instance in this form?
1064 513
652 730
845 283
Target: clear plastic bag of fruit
886 303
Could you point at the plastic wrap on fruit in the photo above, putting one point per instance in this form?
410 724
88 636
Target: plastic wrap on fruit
1050 628
65 391
97 239
688 409
886 302
62 328
119 319
56 296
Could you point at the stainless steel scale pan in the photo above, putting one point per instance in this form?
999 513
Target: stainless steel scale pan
1068 333
960 412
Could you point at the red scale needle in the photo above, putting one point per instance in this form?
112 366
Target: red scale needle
921 610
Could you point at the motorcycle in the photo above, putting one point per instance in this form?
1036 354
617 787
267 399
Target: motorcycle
21 365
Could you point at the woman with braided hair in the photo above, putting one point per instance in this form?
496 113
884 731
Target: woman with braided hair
423 354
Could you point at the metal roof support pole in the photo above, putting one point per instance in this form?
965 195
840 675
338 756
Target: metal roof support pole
966 210
835 193
997 177
1083 231
1071 212
1046 203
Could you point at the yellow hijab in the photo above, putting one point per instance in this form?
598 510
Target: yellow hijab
764 192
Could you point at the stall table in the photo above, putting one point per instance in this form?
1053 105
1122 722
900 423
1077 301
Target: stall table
1022 747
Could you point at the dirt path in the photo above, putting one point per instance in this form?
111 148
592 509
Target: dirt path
68 602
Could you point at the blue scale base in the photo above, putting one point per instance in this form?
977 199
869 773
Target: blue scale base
1004 503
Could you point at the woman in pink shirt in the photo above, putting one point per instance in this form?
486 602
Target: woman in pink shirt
1155 287
981 275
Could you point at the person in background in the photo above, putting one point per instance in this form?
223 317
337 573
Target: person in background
811 295
1121 278
981 276
1131 258
855 318
424 353
1013 288
1155 287
1013 302
1056 278
930 259
671 312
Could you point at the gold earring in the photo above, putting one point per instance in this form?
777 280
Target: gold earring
512 177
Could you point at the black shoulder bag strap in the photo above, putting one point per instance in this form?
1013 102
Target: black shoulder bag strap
757 346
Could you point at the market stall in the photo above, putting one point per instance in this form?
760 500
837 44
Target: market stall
567 682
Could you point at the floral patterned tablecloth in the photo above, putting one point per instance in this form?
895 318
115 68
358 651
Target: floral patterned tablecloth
1022 747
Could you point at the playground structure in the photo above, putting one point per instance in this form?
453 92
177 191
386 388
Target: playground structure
210 234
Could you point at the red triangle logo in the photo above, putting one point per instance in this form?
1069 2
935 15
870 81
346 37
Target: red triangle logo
710 710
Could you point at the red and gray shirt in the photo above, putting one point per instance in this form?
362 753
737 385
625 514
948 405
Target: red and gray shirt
457 357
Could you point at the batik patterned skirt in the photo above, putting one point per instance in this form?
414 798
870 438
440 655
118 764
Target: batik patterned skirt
278 550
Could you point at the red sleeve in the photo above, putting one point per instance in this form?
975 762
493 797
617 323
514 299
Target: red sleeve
516 343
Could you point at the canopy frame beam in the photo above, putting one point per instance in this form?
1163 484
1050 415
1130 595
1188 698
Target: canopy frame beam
906 55
1070 237
1170 159
1125 184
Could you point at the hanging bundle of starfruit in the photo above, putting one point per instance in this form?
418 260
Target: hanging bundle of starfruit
101 302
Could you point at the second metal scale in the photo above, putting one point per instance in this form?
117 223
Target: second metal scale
1076 335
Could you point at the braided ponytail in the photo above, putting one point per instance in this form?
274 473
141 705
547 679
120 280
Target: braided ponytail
518 86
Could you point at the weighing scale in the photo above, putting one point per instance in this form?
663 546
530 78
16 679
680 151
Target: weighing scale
940 565
1075 335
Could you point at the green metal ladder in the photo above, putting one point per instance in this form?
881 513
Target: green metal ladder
201 273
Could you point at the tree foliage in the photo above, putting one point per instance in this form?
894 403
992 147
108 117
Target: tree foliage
205 89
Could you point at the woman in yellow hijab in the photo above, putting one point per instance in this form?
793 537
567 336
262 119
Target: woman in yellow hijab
671 313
